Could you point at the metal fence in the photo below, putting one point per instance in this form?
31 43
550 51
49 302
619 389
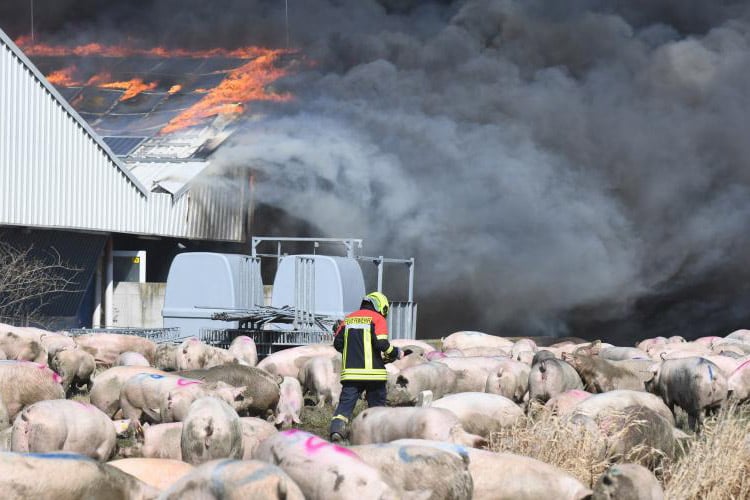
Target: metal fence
158 335
266 341
402 320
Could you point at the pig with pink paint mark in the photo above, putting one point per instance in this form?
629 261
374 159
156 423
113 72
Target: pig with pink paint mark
67 476
24 382
144 393
235 479
210 431
105 394
243 348
384 424
320 378
564 403
290 403
64 425
738 383
322 470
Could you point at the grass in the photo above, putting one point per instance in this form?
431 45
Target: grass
714 466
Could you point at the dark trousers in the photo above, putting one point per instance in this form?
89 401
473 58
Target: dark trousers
350 392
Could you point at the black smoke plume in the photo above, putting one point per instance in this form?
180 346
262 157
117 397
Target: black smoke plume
556 167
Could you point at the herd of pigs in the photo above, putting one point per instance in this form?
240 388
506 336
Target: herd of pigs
204 422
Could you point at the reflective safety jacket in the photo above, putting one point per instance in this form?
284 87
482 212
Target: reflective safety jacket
360 339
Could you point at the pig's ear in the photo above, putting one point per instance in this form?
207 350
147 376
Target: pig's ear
237 392
596 347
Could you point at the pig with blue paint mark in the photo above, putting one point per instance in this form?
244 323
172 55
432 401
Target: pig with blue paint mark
694 384
414 468
64 425
234 480
67 476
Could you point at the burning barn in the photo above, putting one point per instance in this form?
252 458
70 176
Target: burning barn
106 161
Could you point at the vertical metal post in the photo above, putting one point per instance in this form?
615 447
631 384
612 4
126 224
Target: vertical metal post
411 279
278 253
32 22
96 320
380 273
286 17
110 285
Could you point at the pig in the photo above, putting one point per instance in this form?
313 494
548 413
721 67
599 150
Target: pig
67 476
617 401
412 358
466 339
509 476
434 356
726 364
645 344
741 335
144 393
472 371
261 387
210 431
130 358
738 383
105 393
162 441
195 355
404 389
76 367
382 424
234 480
319 377
549 377
175 404
64 425
290 403
105 347
481 413
565 402
694 384
627 482
54 342
254 431
244 350
22 344
322 470
4 420
24 382
288 362
161 473
521 346
622 353
414 468
410 344
632 434
510 379
600 375
166 357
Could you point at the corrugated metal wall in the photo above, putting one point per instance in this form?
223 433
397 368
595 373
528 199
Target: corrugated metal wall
55 173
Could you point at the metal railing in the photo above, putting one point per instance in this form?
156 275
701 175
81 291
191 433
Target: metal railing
158 335
304 294
402 320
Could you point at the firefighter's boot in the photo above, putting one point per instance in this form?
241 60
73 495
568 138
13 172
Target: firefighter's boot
338 431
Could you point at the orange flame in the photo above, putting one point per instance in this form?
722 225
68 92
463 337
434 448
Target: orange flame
63 77
95 49
247 83
244 84
131 87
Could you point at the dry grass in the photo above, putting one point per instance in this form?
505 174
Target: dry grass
717 465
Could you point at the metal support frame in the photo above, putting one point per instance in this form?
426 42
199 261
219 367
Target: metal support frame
351 244
379 261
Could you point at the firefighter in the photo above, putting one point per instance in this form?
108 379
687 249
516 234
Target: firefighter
362 340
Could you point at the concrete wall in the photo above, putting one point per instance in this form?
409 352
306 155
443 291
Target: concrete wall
138 305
